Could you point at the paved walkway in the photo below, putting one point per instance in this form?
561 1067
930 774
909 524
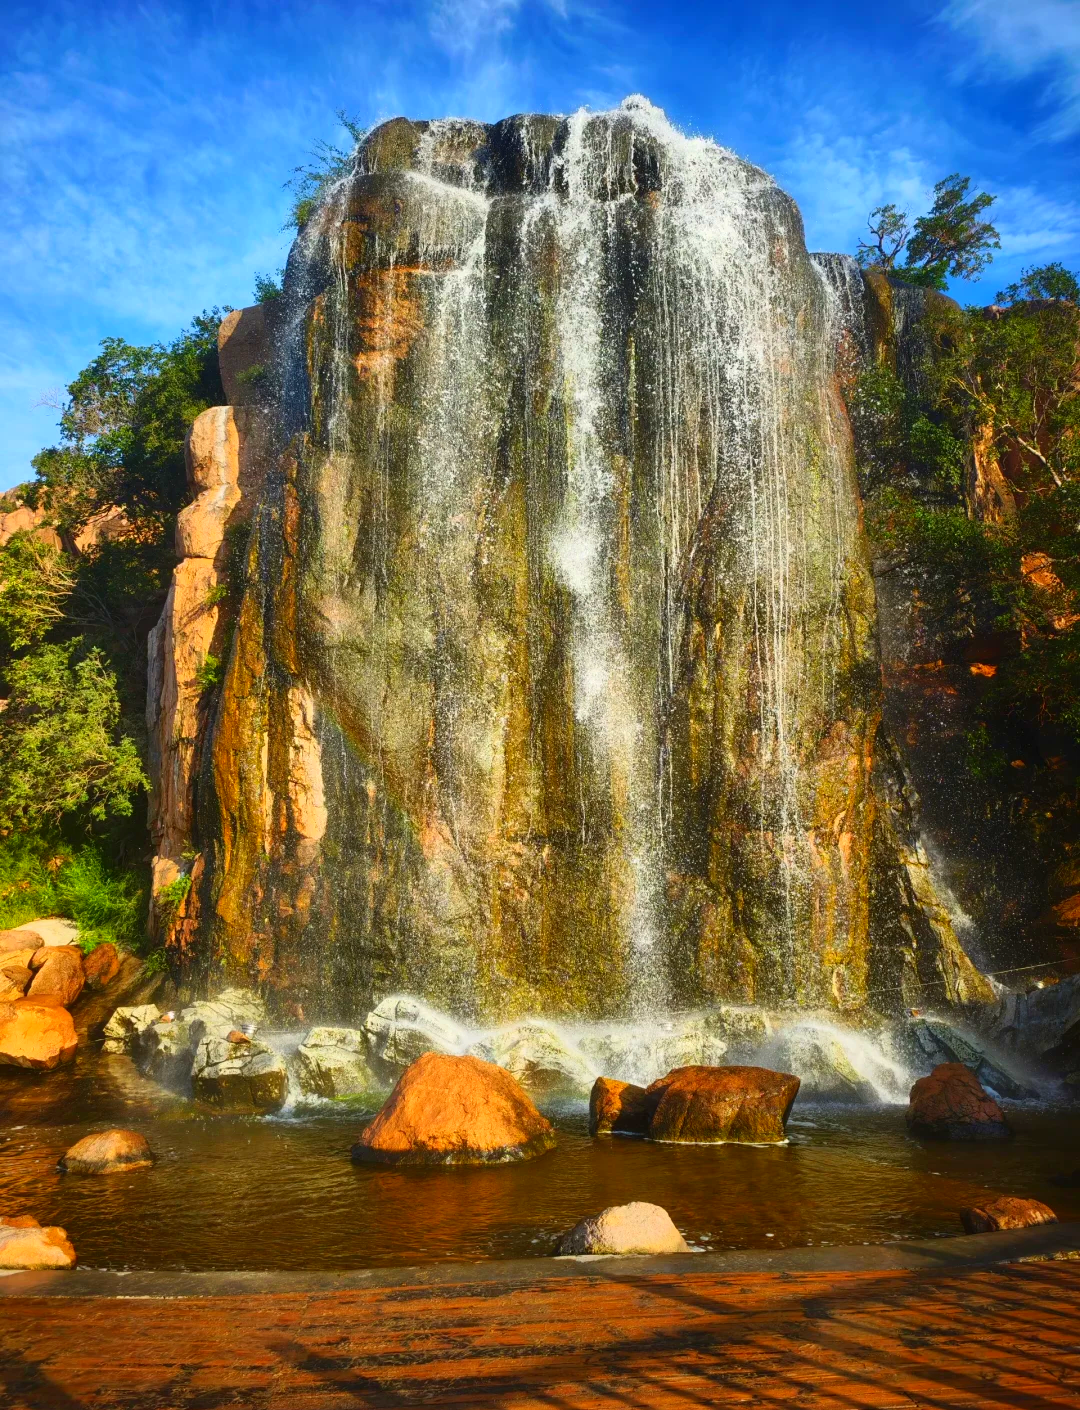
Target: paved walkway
1007 1336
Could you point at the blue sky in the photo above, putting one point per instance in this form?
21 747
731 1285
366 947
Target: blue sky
143 147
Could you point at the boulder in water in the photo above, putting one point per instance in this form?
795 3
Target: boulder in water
333 1062
126 1024
38 1036
58 975
541 1060
642 1054
233 1008
951 1105
239 1076
108 1153
455 1111
1008 1212
625 1229
25 1244
619 1108
164 1050
401 1029
101 965
942 1043
712 1104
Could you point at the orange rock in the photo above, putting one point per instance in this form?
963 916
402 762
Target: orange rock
106 1152
20 940
1006 1213
25 1244
15 975
951 1105
41 1036
455 1111
101 965
236 1036
620 1108
60 976
704 1104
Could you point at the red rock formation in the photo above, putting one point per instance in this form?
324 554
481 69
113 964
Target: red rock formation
704 1104
39 1036
107 1152
455 1111
619 1108
58 975
101 965
1006 1213
951 1105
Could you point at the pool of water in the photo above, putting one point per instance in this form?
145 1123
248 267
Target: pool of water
281 1192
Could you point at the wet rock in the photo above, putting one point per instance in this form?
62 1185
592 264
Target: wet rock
619 1108
539 1057
239 1076
1006 1213
951 1105
402 1029
101 965
942 1043
233 1008
25 1244
333 1062
455 1111
706 1104
58 975
642 1054
19 940
165 1050
107 1153
126 1024
625 1229
38 1036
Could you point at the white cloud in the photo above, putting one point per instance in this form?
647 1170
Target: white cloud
1032 225
1023 38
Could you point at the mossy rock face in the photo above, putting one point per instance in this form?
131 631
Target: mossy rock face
547 692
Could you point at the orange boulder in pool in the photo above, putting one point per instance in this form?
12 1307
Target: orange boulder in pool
455 1111
25 1244
952 1105
107 1153
1008 1212
619 1108
706 1104
40 1036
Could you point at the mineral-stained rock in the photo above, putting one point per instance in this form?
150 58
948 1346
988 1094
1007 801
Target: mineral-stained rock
239 1076
540 1059
705 1104
20 940
1008 1212
625 1228
455 1111
59 976
619 1108
107 1153
402 1029
101 965
126 1024
25 1244
40 1036
951 1105
333 1062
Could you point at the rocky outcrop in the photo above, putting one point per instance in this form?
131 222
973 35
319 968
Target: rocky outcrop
58 975
101 965
18 517
166 1048
619 1108
1008 1212
333 1062
38 1036
400 1030
625 1229
454 1111
126 1026
713 1104
538 1056
950 1105
108 1153
25 1244
247 1076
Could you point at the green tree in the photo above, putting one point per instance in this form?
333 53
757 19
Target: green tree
951 240
328 163
36 580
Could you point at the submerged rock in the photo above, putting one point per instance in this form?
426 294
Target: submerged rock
951 1105
619 1108
1008 1212
39 1036
539 1057
239 1076
625 1229
126 1024
58 975
455 1111
25 1244
707 1104
333 1062
401 1029
108 1153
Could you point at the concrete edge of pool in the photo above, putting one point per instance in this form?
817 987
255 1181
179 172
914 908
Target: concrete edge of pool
948 1254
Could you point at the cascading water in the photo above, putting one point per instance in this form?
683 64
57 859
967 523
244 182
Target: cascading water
564 553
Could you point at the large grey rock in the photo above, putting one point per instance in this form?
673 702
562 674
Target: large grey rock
645 1053
233 1008
126 1025
333 1062
542 1060
164 1051
625 1229
941 1042
239 1076
401 1029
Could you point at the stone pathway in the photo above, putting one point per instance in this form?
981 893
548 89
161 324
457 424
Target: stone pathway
1007 1336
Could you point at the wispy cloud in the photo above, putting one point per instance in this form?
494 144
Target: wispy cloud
1024 38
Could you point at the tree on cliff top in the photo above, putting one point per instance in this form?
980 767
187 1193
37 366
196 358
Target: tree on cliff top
950 240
